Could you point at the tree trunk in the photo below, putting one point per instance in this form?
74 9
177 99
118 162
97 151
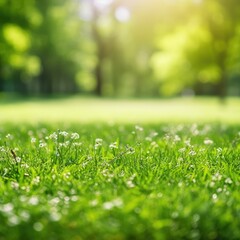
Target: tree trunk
100 51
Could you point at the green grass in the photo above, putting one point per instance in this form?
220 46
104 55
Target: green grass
119 181
79 168
89 110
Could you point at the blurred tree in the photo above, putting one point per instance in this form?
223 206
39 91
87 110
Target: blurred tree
58 45
199 51
16 64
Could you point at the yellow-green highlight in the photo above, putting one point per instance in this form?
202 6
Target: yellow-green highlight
94 110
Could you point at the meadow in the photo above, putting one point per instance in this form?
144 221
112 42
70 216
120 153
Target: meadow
119 170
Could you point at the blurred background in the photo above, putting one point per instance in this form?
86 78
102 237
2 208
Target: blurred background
120 48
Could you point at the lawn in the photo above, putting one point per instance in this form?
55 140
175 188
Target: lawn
74 170
92 110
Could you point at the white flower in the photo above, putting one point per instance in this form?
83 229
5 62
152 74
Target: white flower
108 205
33 140
15 185
63 133
219 150
228 180
114 203
138 128
208 141
177 138
6 208
77 144
38 226
13 220
18 159
9 136
55 216
36 180
33 200
214 197
181 150
192 153
42 144
53 136
113 145
75 136
98 143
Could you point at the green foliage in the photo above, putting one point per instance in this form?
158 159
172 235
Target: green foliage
109 48
119 182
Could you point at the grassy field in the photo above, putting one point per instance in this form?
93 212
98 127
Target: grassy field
89 110
67 171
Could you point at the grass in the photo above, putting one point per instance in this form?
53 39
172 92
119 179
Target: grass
120 182
156 180
89 110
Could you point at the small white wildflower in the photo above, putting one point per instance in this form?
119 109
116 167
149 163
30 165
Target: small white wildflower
33 140
117 202
188 142
180 184
6 208
130 150
2 149
219 150
208 141
177 138
217 177
33 200
24 215
53 136
36 180
54 201
18 159
138 128
74 198
181 150
37 226
55 216
105 172
228 180
42 144
67 174
25 165
13 220
64 144
63 133
214 197
98 143
74 136
77 144
113 145
94 203
9 136
192 153
15 185
66 199
130 184
108 205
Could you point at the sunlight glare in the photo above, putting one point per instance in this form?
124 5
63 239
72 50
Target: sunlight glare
122 14
102 3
